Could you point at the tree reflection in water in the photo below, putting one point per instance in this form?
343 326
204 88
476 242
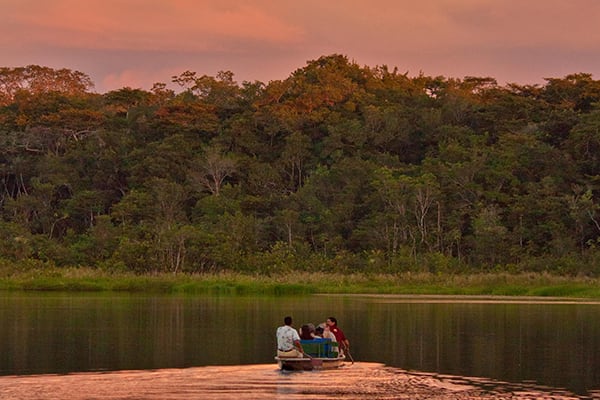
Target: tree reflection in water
265 381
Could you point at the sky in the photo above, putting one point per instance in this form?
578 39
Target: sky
136 43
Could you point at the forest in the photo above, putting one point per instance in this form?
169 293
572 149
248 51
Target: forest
337 168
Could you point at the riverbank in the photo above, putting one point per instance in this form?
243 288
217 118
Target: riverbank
302 283
245 382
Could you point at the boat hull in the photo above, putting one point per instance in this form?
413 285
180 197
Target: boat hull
308 364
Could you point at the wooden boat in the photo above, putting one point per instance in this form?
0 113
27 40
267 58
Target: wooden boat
319 354
309 363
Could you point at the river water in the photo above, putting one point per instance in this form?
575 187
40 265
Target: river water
106 346
250 382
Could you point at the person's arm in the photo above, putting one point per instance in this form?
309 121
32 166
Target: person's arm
344 342
296 340
299 346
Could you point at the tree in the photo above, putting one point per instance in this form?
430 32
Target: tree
584 211
409 200
168 158
294 156
210 170
583 143
41 210
170 229
222 92
336 164
37 80
490 237
577 92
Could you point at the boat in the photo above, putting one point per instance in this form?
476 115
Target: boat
309 363
319 354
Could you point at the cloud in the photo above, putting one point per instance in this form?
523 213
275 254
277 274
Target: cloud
133 78
134 41
180 25
548 23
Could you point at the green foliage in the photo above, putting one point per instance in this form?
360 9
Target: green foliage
337 168
43 276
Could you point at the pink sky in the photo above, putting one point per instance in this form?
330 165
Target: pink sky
136 43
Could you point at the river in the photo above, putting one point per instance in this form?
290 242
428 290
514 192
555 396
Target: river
150 347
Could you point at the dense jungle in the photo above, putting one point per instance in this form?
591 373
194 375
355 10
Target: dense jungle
337 168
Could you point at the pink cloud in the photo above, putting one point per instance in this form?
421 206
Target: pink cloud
149 24
120 41
129 78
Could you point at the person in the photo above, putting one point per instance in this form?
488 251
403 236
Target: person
288 340
340 338
305 333
319 332
325 333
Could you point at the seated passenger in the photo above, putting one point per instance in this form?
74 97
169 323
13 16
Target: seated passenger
305 333
288 341
327 334
318 332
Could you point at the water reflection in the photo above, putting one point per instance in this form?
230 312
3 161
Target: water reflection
357 381
551 343
555 344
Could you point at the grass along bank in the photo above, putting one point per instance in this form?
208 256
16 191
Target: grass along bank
303 283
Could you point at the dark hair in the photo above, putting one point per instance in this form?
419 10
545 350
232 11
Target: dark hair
332 319
319 329
287 320
305 332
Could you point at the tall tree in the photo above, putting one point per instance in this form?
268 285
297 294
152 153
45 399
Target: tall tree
37 79
210 170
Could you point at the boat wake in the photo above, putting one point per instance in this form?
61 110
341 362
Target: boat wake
244 382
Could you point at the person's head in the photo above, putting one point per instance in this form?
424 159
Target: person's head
319 331
287 320
305 332
331 321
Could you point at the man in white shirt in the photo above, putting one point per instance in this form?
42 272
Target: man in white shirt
288 340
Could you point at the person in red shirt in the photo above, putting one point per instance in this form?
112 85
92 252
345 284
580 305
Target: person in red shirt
339 334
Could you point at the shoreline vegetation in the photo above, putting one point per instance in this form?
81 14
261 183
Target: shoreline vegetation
337 169
298 283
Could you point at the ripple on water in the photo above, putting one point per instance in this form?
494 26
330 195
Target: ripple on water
246 382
